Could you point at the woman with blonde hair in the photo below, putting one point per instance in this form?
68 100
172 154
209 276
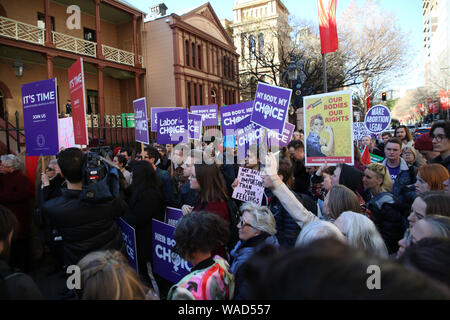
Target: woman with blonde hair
106 275
383 205
431 177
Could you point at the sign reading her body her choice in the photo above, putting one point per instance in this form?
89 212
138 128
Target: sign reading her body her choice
195 126
271 106
154 116
169 266
377 119
129 238
209 114
232 114
172 127
40 117
140 120
328 123
78 102
173 215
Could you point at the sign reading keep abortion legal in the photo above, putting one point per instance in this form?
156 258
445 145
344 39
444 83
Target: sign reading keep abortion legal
271 106
172 127
40 117
140 120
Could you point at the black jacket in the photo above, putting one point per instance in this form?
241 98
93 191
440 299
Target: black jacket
85 227
445 162
15 285
387 217
302 179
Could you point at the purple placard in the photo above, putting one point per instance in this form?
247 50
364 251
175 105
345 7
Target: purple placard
195 126
271 106
140 120
209 114
170 267
283 139
40 117
377 119
154 116
129 238
232 114
247 133
172 216
172 127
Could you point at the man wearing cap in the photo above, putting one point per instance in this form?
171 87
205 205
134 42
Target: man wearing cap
424 145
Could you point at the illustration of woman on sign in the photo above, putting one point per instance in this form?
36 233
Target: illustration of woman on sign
317 146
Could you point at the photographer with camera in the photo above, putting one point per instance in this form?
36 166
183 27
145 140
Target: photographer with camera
85 214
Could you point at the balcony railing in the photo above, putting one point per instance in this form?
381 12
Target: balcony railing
117 55
72 44
21 31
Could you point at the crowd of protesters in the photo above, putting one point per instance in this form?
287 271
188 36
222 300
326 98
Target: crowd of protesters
314 236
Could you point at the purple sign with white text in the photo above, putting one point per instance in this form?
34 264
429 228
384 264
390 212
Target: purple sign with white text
172 127
208 113
247 133
169 266
271 106
140 120
40 117
283 139
231 115
173 215
154 116
377 119
195 126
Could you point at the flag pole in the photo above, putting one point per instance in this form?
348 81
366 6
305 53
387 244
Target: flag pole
324 71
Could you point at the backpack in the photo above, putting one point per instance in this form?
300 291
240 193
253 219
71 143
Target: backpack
235 216
100 180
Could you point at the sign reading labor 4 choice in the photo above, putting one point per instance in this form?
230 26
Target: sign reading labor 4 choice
209 114
40 117
328 124
154 116
377 119
172 127
271 106
78 102
140 120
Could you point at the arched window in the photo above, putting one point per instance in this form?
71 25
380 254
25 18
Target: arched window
261 44
213 97
252 47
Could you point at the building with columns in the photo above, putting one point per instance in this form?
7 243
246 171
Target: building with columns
190 60
39 36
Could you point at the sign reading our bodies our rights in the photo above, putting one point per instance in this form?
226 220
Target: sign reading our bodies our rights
247 133
231 115
209 114
195 126
328 124
40 117
377 119
140 120
250 186
169 266
78 102
271 106
172 127
129 238
154 116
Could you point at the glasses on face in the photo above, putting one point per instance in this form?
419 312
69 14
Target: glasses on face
439 137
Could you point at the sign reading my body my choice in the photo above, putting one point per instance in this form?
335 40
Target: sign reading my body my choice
271 106
40 117
140 120
172 127
208 113
377 119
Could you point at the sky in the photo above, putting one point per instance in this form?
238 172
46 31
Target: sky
408 12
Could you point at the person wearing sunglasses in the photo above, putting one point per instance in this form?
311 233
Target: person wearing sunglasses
257 228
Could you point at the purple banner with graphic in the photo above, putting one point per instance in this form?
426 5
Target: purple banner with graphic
247 133
172 127
377 119
129 238
40 117
209 114
140 120
169 266
271 106
195 126
173 215
232 114
154 116
283 139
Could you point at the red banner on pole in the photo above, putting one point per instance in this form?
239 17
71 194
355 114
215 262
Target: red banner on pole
78 102
444 99
327 25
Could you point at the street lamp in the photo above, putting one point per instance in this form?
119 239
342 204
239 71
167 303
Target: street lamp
292 71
